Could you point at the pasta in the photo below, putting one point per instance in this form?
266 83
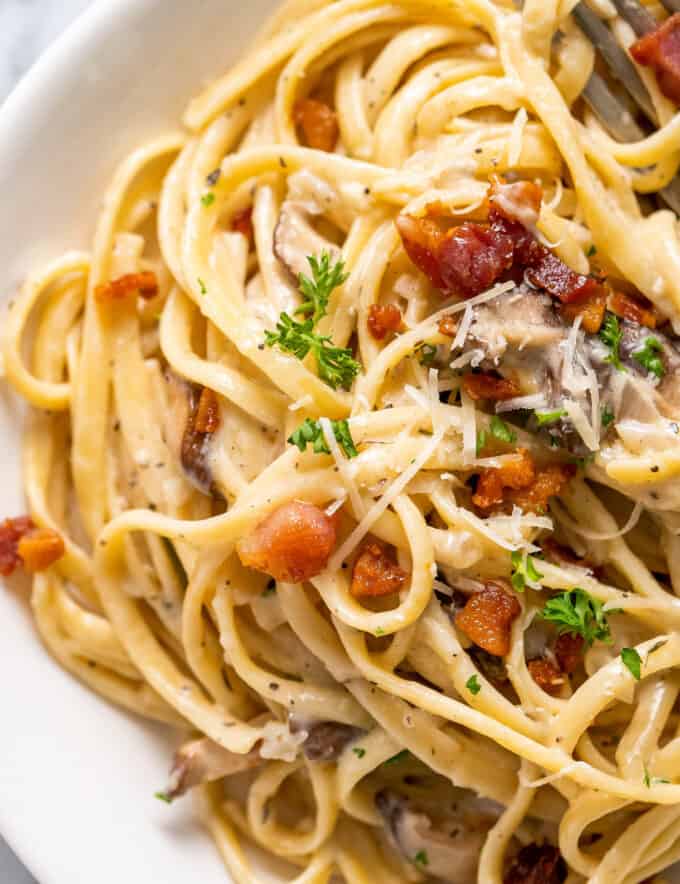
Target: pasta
354 454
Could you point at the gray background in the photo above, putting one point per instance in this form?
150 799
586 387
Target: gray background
27 27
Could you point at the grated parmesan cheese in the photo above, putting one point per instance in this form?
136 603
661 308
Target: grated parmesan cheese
633 519
532 402
463 329
469 419
343 467
581 424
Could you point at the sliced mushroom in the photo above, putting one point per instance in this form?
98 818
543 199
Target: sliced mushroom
448 847
326 740
191 447
295 238
202 761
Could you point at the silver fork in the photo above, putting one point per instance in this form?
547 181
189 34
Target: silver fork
614 114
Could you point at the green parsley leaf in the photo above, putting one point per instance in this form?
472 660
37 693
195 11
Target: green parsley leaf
379 631
502 431
549 417
576 611
318 289
204 290
359 752
653 781
310 431
591 251
648 356
399 757
631 659
607 416
524 569
610 334
427 353
163 796
208 199
473 685
421 859
482 436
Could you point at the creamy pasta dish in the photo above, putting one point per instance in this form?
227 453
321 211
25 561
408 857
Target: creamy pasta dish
353 452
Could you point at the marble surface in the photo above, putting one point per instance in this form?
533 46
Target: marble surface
27 27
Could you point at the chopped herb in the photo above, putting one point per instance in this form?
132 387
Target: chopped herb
359 752
421 859
310 431
336 366
399 757
318 289
524 570
204 290
379 631
208 199
657 647
427 353
631 659
591 251
549 417
653 781
502 431
577 612
607 416
611 335
473 685
648 356
482 436
163 796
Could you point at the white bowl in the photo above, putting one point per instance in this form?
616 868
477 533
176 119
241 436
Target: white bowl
77 776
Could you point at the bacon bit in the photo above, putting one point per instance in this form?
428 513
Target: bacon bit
383 318
293 543
242 223
660 50
468 259
568 651
549 481
376 572
207 419
319 123
518 473
145 284
488 386
636 309
591 311
546 675
487 619
21 543
448 325
537 864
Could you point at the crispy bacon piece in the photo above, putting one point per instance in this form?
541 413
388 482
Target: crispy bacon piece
487 618
376 572
660 50
145 284
537 864
319 123
591 311
549 481
568 651
546 675
382 319
488 386
448 325
292 544
518 473
468 259
636 309
242 222
21 543
207 419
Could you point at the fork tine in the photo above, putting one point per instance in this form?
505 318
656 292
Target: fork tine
616 58
636 15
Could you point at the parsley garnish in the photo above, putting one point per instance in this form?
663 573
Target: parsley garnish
591 251
359 752
648 356
657 647
653 781
310 431
549 417
204 290
502 431
421 858
317 290
336 366
427 353
611 335
379 631
607 416
473 685
482 436
208 199
576 611
163 796
631 659
524 569
396 759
